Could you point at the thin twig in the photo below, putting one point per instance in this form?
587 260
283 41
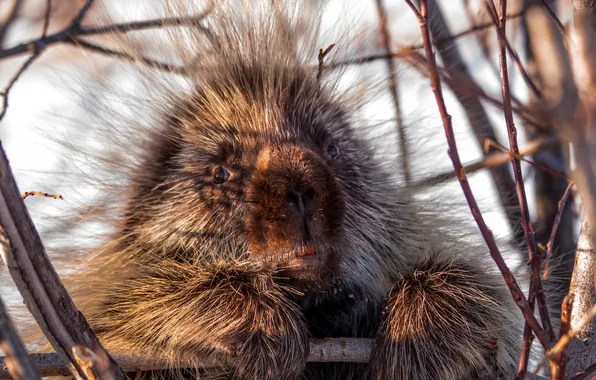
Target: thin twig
13 80
494 159
46 19
17 362
554 17
78 19
487 234
582 375
399 54
553 232
321 58
74 30
404 157
529 82
462 82
129 57
40 194
536 291
12 16
146 24
559 361
563 342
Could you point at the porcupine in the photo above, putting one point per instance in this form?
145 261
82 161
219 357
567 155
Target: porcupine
258 216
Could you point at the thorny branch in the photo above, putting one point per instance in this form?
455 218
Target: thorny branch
487 234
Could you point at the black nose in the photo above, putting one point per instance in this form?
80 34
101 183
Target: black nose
301 202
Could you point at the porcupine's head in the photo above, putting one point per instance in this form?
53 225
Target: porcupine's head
261 162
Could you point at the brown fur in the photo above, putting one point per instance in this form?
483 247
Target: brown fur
293 243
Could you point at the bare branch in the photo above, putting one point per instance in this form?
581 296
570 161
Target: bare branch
17 362
553 232
487 234
73 32
399 54
477 116
559 360
12 16
36 279
321 58
133 58
582 351
13 80
553 17
346 350
393 89
492 160
583 374
40 194
147 24
536 291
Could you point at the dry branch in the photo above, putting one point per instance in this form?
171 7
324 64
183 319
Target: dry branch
71 35
487 234
393 89
475 113
582 351
399 54
40 194
551 240
36 279
12 16
548 63
583 374
559 359
17 362
536 291
347 350
494 159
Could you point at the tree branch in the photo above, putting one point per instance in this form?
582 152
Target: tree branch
487 234
36 279
17 362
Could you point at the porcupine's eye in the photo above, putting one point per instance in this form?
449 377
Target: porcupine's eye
333 151
220 175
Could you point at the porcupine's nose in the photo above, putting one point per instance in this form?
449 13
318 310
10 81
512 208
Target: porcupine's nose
296 205
300 202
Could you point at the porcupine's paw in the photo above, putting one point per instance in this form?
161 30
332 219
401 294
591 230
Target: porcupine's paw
440 321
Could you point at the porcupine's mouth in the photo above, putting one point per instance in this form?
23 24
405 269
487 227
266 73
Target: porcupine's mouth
305 262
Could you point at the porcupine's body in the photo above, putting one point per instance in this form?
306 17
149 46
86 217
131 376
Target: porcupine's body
258 218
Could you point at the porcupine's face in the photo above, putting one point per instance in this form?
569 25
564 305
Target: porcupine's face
259 172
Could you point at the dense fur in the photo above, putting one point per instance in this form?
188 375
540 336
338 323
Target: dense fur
258 217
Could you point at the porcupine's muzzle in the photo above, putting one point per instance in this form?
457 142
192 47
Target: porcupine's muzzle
296 208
